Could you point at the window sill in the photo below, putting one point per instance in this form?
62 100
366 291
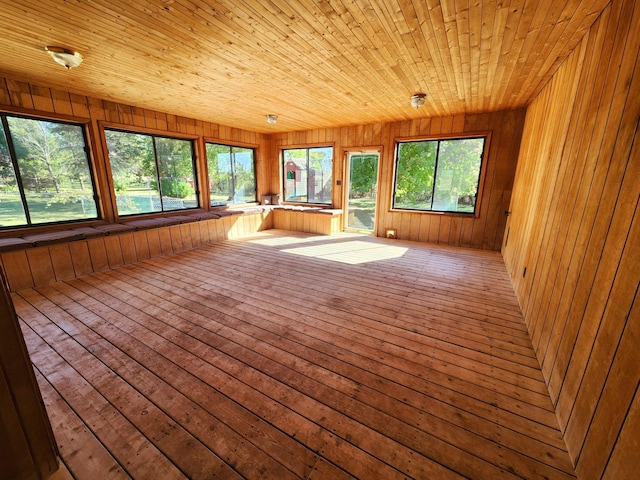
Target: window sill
313 205
429 212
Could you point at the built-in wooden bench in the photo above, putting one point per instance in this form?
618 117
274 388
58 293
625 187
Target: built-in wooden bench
41 259
319 220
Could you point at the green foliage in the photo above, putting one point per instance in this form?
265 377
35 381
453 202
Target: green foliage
455 173
174 157
64 196
415 172
48 153
363 174
231 174
7 177
131 158
220 173
314 168
137 160
53 167
173 187
120 185
461 157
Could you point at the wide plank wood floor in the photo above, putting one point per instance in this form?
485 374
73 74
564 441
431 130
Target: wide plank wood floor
290 355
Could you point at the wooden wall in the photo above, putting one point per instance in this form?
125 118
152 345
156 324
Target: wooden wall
485 232
27 446
40 266
575 228
21 97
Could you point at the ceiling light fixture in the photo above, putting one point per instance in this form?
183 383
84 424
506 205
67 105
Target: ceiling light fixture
65 57
417 100
272 119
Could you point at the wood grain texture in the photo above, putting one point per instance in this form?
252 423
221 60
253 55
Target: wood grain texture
379 371
40 266
575 228
316 64
27 446
20 97
486 231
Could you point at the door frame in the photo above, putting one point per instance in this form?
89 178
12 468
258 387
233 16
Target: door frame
371 149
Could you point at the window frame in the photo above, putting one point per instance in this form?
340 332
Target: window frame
84 125
443 137
284 177
232 145
154 133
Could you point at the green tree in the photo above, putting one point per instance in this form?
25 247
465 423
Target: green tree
454 166
220 173
459 163
7 174
38 149
320 166
244 174
415 173
131 158
363 174
175 162
72 153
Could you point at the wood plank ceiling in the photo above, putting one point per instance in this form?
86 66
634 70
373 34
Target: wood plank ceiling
314 63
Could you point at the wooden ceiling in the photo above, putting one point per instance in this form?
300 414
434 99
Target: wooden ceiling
314 63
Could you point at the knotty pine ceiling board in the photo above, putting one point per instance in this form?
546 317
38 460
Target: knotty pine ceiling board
314 63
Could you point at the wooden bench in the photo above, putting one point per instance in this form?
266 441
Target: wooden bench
324 221
41 259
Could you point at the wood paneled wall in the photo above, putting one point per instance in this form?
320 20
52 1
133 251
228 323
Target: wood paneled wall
485 231
307 222
575 228
40 266
32 99
27 447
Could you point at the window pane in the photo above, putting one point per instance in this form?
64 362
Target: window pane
232 176
457 175
134 173
415 169
307 175
177 178
439 175
54 169
295 175
320 171
244 174
12 210
220 174
362 186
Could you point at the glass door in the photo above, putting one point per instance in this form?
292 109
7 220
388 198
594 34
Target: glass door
361 191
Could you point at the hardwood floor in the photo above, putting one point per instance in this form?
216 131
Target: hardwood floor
290 355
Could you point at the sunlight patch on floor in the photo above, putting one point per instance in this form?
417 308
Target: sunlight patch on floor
350 252
274 240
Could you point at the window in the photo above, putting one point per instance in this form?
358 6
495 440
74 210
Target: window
232 177
151 173
307 174
45 176
438 175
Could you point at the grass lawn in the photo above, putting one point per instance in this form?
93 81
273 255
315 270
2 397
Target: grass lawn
43 209
140 199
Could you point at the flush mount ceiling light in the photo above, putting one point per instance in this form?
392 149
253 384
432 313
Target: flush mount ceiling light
417 100
272 119
65 57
